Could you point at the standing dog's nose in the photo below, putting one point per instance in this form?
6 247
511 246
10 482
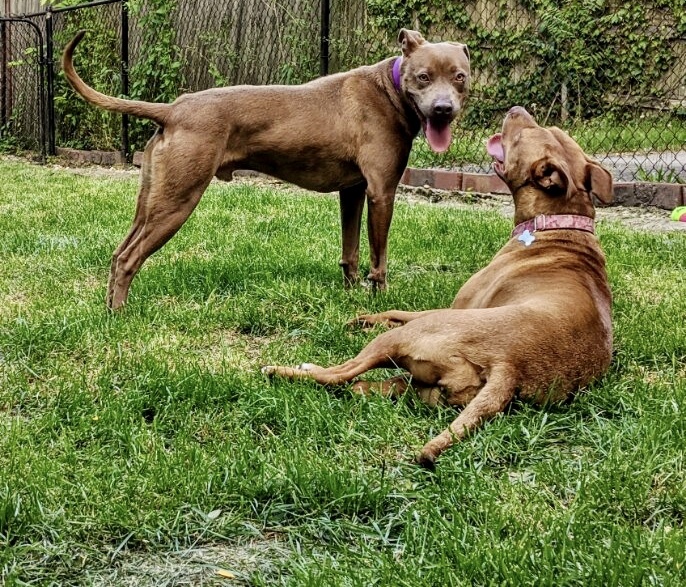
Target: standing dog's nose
443 108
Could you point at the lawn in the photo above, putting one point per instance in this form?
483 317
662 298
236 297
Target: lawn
145 447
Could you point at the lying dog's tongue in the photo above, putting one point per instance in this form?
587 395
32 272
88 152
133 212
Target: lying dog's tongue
494 146
438 136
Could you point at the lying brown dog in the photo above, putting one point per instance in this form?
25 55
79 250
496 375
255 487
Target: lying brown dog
349 132
535 323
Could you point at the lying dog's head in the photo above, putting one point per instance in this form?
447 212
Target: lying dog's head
546 171
435 79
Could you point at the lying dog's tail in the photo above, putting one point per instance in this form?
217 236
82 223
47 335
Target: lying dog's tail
155 112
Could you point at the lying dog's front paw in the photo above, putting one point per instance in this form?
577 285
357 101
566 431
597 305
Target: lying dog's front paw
362 321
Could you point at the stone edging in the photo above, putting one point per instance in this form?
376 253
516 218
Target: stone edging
661 195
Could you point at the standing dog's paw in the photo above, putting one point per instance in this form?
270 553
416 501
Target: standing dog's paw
373 285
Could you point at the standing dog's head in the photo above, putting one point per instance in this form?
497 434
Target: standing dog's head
546 171
435 79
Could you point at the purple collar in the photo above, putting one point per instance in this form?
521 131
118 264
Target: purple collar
396 72
555 222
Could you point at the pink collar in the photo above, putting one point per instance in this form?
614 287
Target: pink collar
555 222
396 72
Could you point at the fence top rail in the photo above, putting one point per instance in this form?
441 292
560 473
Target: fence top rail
28 21
50 10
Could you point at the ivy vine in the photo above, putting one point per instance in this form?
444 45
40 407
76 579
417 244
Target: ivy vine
576 57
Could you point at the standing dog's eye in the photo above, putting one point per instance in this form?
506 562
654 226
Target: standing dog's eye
460 77
424 78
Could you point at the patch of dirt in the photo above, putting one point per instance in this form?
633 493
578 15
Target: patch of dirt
216 565
634 217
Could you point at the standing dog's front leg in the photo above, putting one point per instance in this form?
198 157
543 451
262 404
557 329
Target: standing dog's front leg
351 203
380 199
383 175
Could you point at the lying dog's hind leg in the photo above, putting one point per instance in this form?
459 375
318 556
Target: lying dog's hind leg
379 353
489 401
397 386
393 387
351 204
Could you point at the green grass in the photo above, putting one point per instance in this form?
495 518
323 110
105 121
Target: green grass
129 440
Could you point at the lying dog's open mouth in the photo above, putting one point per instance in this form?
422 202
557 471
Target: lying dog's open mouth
494 147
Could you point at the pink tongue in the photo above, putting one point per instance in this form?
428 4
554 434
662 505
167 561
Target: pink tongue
438 136
494 146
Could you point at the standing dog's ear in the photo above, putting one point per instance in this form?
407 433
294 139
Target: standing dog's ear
463 46
550 176
409 40
598 181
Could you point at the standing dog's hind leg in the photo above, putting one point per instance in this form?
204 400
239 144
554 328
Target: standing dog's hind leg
139 217
166 204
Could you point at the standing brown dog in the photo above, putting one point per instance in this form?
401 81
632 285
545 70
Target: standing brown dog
535 323
349 132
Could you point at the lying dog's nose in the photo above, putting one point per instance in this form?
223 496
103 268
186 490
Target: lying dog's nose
517 110
443 108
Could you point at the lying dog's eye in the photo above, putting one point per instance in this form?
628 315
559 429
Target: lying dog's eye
424 78
460 77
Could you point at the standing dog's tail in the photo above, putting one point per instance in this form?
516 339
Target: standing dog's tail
153 111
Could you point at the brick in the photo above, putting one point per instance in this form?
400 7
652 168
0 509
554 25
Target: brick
623 192
667 196
418 177
447 180
94 157
483 183
660 195
138 158
103 157
72 154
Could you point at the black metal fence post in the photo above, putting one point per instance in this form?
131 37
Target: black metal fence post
125 78
324 39
3 82
50 81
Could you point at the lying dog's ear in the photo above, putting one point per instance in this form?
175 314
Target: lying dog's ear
598 182
550 176
409 40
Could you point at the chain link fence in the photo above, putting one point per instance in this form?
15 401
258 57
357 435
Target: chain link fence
22 92
611 74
